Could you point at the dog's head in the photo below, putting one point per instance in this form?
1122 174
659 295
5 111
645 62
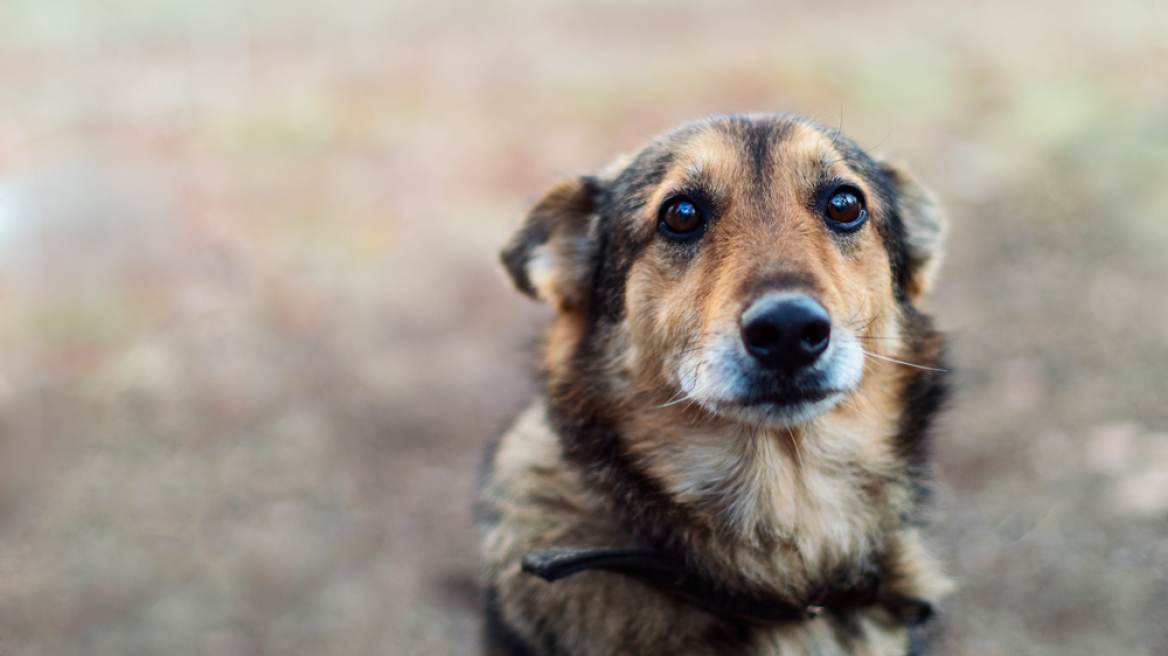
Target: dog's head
750 264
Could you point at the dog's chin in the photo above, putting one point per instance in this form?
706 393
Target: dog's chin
776 410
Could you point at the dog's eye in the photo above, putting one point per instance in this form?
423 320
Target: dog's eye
681 216
844 207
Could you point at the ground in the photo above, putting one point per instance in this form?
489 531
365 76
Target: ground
254 337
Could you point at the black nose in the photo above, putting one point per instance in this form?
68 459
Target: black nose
786 332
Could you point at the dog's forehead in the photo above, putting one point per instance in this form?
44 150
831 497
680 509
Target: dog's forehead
744 154
756 157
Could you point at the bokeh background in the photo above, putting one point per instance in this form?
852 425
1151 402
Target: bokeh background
253 337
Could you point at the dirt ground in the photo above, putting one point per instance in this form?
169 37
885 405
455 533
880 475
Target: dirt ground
253 335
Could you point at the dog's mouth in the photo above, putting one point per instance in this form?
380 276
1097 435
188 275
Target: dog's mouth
730 384
787 398
781 405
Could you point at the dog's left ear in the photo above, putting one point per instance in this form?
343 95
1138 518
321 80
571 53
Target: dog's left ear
551 256
925 226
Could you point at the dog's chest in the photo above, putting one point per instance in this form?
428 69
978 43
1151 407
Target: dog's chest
824 500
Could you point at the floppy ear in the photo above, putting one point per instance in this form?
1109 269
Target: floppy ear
551 256
925 226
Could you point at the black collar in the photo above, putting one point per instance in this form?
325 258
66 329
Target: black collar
671 576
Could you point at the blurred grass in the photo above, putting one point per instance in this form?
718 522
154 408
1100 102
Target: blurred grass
254 339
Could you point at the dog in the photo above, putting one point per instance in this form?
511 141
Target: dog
729 455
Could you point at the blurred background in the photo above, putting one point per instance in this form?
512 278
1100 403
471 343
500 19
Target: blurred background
253 337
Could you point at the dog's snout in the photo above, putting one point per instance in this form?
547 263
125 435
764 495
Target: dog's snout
785 332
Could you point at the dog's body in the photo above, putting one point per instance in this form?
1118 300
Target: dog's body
738 387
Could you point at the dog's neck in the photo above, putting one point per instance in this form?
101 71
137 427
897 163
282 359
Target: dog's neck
793 504
785 509
810 486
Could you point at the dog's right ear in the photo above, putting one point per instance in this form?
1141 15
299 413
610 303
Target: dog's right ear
925 227
551 256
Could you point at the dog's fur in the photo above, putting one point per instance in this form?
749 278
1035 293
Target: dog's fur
649 433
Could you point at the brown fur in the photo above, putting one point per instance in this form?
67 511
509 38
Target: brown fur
634 441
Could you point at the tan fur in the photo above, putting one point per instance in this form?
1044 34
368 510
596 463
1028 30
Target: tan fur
767 507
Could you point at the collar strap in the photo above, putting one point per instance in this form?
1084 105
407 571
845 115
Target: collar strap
671 576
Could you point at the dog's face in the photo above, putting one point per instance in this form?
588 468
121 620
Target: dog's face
750 265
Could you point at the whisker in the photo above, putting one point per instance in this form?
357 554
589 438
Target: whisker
872 321
674 397
907 364
867 322
869 151
857 409
795 447
839 128
852 318
684 397
756 444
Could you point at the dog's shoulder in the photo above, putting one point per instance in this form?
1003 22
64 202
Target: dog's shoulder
532 498
527 483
